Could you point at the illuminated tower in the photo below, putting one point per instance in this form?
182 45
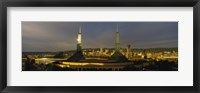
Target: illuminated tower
118 56
79 40
117 47
78 56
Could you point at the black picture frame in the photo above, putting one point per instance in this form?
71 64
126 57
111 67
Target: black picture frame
98 3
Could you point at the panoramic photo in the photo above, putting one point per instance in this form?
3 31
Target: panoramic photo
99 46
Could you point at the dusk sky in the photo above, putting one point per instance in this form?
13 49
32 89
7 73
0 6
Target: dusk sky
61 36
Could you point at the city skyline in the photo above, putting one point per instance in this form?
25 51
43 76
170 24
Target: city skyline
61 36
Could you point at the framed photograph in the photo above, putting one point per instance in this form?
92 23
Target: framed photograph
99 46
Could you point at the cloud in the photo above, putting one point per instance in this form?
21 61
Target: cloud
58 36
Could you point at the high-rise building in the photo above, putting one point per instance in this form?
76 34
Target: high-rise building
128 51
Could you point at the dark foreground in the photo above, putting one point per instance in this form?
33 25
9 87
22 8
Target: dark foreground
142 65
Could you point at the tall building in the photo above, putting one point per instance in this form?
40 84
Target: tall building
79 53
128 51
118 56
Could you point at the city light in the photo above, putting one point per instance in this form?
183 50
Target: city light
116 58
